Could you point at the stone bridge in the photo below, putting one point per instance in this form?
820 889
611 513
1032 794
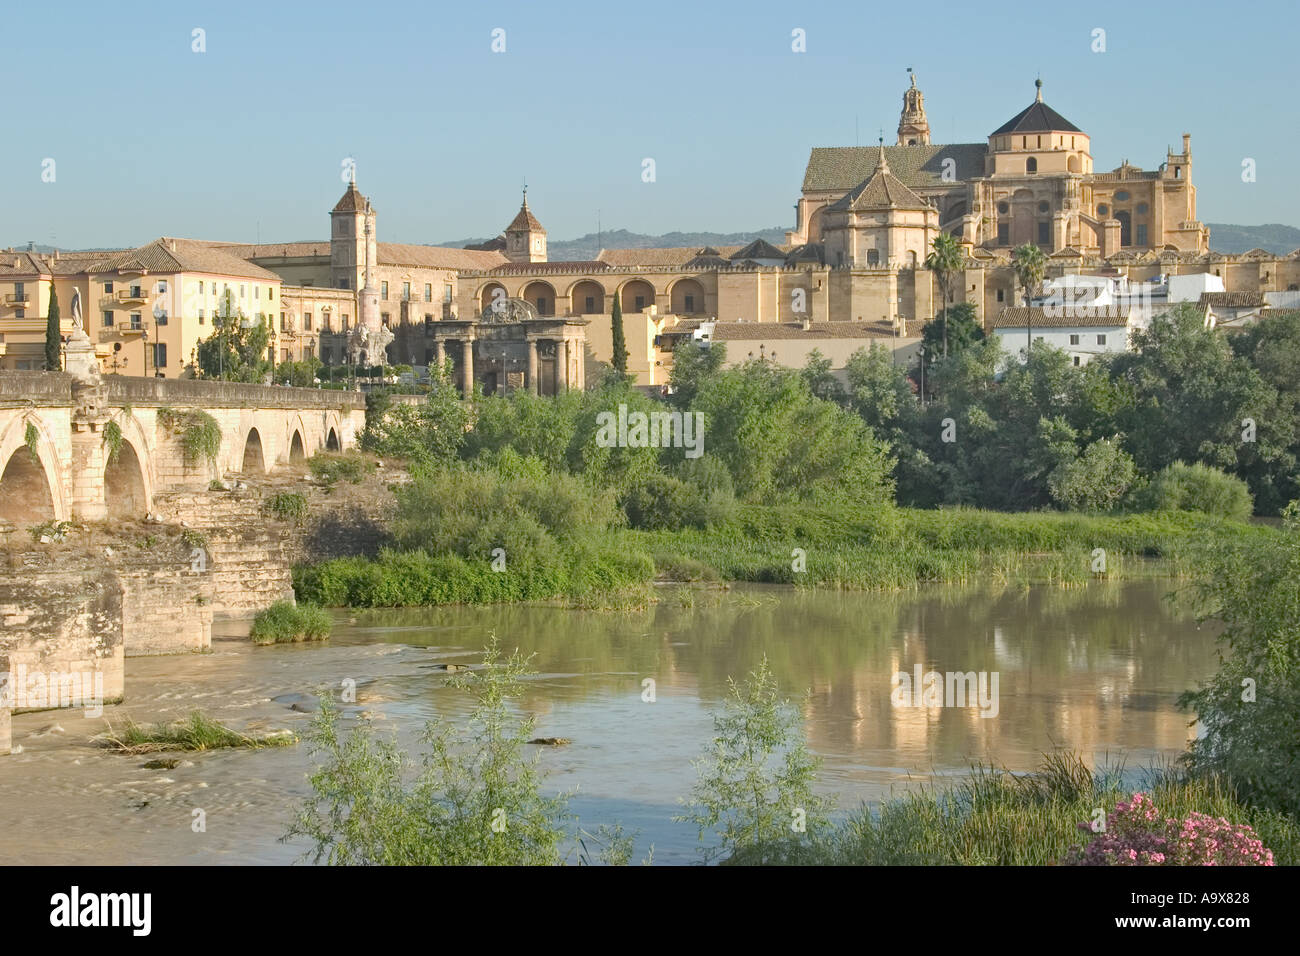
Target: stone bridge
92 448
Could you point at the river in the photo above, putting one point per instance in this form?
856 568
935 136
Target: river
1096 669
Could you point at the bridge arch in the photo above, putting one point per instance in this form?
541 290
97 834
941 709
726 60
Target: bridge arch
254 462
297 455
126 494
31 491
332 440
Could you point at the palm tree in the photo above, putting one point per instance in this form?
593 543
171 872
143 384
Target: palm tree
1029 264
945 259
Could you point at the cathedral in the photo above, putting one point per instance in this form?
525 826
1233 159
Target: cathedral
1032 182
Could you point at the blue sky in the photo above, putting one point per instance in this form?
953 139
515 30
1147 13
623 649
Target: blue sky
246 140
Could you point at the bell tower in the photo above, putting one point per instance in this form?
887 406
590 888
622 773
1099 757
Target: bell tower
913 127
525 237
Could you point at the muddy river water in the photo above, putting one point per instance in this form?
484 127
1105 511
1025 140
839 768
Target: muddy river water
1095 669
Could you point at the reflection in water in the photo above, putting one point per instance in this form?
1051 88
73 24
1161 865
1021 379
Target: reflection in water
1095 669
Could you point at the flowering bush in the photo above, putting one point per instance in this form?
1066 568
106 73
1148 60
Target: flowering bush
1136 836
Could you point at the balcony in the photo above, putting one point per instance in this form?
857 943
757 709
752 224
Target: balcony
126 296
17 298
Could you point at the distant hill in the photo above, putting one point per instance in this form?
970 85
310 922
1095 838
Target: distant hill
588 246
1224 237
1271 237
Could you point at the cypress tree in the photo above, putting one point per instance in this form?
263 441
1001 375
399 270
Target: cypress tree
53 340
619 345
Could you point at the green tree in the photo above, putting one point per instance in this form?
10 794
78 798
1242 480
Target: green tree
694 363
944 260
1029 264
961 326
821 380
53 336
1271 463
1196 487
1250 710
301 374
1188 395
1096 480
619 346
237 348
754 795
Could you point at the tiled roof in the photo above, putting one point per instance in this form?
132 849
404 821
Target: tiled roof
352 201
525 220
277 250
13 264
1037 117
665 256
1231 300
840 168
766 331
758 249
550 268
180 255
810 252
882 191
1061 317
437 257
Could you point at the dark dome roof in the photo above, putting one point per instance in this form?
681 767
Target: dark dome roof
1037 117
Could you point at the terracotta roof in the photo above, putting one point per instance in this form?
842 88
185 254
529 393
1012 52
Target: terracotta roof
180 255
840 168
352 201
670 256
765 331
810 252
550 268
276 250
1061 317
437 257
1231 300
14 264
525 220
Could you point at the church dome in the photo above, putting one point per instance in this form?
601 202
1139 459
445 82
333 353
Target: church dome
1037 117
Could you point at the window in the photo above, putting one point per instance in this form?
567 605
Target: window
200 316
137 292
406 292
446 292
284 355
306 321
1074 340
541 307
1004 234
270 293
383 291
308 351
590 304
137 321
383 317
159 354
428 292
873 257
1044 233
1003 209
1042 206
1040 142
690 303
1122 196
243 291
257 292
108 288
200 287
108 320
1076 360
20 313
640 302
343 283
1002 295
162 286
284 323
343 322
1101 340
1141 233
1142 209
1031 165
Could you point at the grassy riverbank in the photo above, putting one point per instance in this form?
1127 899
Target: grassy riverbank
887 549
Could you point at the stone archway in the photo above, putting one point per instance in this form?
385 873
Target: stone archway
25 494
637 295
687 297
253 462
125 495
332 441
297 455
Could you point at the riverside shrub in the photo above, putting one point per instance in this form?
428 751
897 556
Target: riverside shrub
1136 835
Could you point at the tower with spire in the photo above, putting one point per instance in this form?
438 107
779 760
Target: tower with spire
352 239
525 237
913 127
